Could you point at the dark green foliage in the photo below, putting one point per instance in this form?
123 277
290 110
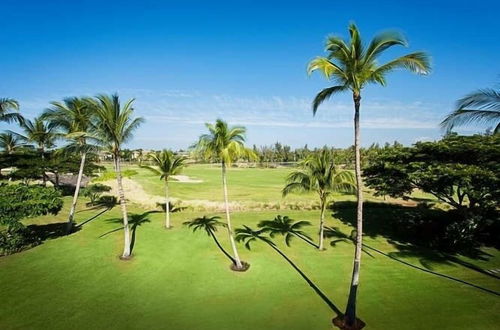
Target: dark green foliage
461 171
22 201
94 192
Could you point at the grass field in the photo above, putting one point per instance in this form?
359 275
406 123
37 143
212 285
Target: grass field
180 280
245 185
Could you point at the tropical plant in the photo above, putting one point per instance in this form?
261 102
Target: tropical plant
209 225
41 132
225 144
9 111
318 173
73 116
481 107
114 126
166 164
351 66
10 142
94 192
283 225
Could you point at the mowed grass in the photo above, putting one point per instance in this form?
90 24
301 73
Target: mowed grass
244 185
180 280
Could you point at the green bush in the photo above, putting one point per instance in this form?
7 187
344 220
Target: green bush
23 201
110 175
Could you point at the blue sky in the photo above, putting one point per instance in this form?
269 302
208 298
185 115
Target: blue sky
187 63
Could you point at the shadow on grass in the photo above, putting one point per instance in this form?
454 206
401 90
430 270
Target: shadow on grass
50 230
135 221
402 225
173 208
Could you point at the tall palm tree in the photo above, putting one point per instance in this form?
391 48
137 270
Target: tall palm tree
73 116
481 107
166 164
115 126
283 225
351 66
319 174
225 144
209 225
9 111
10 142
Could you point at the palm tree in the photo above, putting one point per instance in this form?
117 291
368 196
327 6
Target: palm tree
482 106
166 164
318 173
114 127
209 225
9 111
351 66
248 235
225 144
41 132
73 116
283 225
10 142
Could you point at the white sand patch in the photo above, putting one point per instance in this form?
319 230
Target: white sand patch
185 178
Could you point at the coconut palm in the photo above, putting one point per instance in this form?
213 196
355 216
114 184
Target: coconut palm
248 235
10 142
225 144
9 111
283 225
350 66
166 164
481 107
73 116
319 174
40 132
209 225
115 125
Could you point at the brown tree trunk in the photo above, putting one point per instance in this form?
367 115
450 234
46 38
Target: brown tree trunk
228 219
350 314
77 191
121 194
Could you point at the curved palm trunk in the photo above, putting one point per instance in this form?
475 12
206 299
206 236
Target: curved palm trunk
322 224
77 191
126 229
167 206
350 314
228 218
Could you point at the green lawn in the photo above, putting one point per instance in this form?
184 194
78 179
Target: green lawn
245 185
180 280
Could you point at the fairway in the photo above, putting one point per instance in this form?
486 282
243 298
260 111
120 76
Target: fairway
180 280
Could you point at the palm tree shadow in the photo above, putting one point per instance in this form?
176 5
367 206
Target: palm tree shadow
340 237
104 210
135 221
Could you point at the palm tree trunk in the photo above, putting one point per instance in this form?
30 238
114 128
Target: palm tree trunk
350 314
77 191
126 229
228 218
322 224
167 207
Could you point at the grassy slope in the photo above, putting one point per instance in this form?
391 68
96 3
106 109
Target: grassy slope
179 280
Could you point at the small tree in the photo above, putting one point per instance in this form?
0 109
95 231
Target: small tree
166 164
318 173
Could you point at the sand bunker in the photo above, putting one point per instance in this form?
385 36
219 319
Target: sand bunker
185 178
